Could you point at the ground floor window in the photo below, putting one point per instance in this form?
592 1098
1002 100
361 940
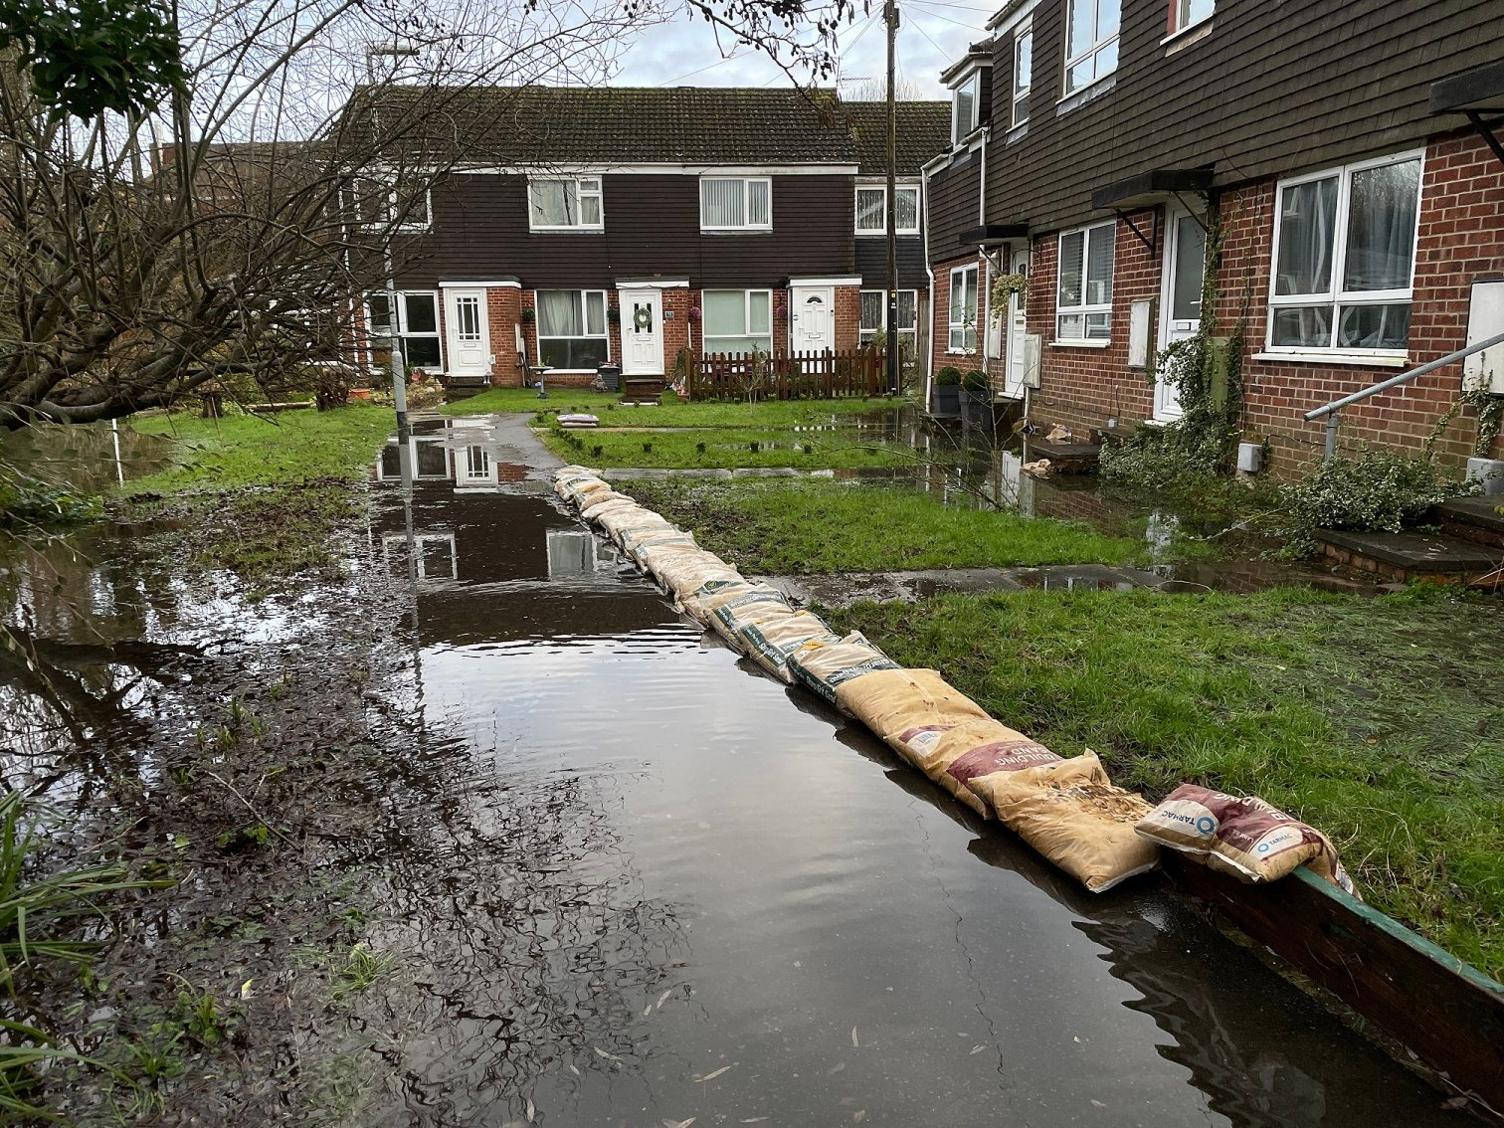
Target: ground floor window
1344 257
962 315
875 316
417 325
1083 309
572 329
738 321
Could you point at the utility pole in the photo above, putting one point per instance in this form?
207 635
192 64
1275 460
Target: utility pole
890 338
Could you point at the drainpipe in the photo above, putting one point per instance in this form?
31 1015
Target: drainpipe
929 353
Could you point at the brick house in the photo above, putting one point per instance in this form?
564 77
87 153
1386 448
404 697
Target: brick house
578 227
1095 143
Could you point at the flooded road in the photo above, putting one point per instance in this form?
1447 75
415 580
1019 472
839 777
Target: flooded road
661 887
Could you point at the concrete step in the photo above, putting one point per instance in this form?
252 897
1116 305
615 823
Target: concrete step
1066 458
1478 519
1436 557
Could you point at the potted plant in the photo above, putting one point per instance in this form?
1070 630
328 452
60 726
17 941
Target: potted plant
948 393
529 315
976 397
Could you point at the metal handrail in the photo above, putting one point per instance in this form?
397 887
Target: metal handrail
1330 410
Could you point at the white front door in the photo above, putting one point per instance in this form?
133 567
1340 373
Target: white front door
1018 327
468 333
642 332
1180 299
812 318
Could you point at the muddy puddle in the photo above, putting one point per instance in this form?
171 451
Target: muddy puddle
671 888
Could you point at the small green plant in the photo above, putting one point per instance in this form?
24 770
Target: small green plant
975 382
948 377
362 968
198 1011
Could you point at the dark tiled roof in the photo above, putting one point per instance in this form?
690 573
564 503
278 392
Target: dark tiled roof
636 125
923 133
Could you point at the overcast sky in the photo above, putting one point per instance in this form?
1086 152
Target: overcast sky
931 35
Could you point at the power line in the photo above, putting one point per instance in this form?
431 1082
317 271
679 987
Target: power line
940 16
701 70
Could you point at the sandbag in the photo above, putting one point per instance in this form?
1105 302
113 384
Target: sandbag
597 505
647 526
1248 838
910 709
613 519
701 603
684 573
591 490
769 638
640 543
978 746
1072 813
823 667
742 603
660 560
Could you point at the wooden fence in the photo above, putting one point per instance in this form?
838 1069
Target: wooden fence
786 375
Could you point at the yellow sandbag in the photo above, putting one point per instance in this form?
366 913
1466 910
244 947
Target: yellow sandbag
910 709
738 603
1248 838
566 477
641 546
614 519
970 748
823 667
701 603
684 573
591 490
769 638
1072 814
596 508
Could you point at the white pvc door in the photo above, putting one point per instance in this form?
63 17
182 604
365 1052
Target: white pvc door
1180 299
1013 379
469 336
642 332
812 319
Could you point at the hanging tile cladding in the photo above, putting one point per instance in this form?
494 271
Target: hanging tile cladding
872 263
1272 88
953 205
652 227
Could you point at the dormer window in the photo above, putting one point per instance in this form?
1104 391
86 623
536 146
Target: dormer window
965 107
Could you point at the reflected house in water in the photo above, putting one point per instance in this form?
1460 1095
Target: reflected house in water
461 451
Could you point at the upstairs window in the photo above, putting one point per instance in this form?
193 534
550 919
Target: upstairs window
738 321
1023 66
1188 13
965 107
378 203
1344 257
565 204
572 329
416 326
872 210
1091 42
961 318
1083 305
736 203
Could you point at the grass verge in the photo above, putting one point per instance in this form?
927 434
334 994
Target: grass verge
248 450
806 527
724 448
1377 720
671 412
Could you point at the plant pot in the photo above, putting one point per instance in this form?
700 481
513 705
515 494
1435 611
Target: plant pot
976 408
610 375
947 400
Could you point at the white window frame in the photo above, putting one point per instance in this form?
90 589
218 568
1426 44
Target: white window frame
1098 44
1179 13
1082 310
953 326
746 317
864 334
973 78
392 203
375 340
597 190
1023 31
1334 295
744 181
882 190
603 335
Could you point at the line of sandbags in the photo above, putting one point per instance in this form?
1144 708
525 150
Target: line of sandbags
1066 808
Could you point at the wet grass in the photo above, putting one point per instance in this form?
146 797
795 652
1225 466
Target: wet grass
671 411
249 450
725 448
807 527
1377 720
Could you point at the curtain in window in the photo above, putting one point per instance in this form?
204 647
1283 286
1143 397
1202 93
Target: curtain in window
722 203
1099 254
555 203
1308 215
869 209
1072 252
906 311
559 314
872 311
965 108
759 204
907 209
1381 227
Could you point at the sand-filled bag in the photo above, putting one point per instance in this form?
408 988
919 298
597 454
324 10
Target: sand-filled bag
1072 813
701 603
596 506
824 667
591 490
567 476
640 543
910 709
769 638
740 604
647 525
684 573
1248 838
616 519
954 755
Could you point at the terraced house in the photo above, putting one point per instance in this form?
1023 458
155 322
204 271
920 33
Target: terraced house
1335 161
579 227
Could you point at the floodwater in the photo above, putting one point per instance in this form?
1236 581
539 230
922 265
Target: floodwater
674 888
644 884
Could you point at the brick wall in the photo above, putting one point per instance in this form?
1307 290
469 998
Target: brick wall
940 354
503 308
848 317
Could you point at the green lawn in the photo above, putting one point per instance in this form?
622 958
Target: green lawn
724 447
671 412
1377 720
244 450
821 526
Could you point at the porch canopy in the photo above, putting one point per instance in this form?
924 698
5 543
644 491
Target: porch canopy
992 234
1152 187
1476 94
